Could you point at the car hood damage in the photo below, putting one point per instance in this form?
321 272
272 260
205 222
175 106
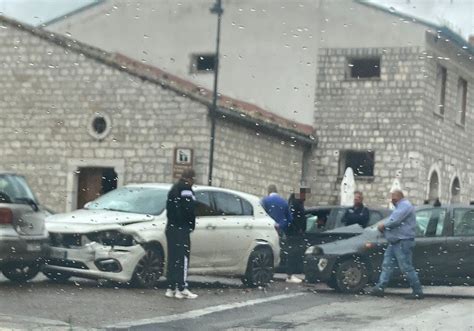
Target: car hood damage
83 221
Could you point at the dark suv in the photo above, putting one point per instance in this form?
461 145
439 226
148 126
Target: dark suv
23 237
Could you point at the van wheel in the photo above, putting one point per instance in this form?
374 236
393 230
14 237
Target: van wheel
20 271
350 277
259 268
149 269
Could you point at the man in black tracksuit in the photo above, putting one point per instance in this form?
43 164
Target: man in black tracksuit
181 222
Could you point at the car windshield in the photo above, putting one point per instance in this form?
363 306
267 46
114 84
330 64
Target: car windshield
139 200
14 189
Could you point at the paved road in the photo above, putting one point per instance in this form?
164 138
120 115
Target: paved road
224 305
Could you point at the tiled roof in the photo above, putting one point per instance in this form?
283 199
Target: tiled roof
238 109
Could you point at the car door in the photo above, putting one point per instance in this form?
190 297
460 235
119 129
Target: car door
460 240
202 251
232 231
430 251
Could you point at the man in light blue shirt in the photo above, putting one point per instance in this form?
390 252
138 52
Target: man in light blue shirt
399 230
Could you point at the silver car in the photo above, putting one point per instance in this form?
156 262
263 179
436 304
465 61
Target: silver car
23 237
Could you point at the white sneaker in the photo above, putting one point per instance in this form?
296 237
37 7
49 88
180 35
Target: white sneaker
179 294
293 279
188 294
169 293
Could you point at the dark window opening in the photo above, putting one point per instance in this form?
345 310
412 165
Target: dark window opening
203 63
99 124
462 101
441 76
361 162
364 68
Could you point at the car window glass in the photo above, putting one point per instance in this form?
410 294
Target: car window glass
203 204
228 204
247 208
335 218
140 200
374 217
316 221
430 222
463 222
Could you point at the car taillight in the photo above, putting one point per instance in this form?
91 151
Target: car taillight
6 216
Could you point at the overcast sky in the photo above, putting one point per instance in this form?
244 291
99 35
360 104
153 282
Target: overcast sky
457 14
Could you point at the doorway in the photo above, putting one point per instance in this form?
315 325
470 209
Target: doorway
94 182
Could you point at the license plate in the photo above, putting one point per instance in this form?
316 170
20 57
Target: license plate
33 247
58 254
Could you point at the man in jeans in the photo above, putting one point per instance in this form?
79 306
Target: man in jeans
399 230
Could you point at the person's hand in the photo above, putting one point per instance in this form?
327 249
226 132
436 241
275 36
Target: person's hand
381 227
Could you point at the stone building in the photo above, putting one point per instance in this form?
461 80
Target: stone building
398 108
77 121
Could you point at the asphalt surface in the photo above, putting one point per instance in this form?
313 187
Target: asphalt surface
224 304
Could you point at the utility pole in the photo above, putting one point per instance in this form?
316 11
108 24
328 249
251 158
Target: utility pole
216 9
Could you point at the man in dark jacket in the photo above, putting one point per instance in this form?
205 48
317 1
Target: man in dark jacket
181 222
294 242
357 214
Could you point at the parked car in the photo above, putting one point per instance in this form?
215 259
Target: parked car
324 225
442 255
121 237
23 237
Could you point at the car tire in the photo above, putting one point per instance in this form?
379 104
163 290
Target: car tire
351 276
20 271
260 268
149 268
57 276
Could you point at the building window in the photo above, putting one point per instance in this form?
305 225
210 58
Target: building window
100 125
203 63
363 68
441 75
461 101
361 162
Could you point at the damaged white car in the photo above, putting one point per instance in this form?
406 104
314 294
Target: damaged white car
121 237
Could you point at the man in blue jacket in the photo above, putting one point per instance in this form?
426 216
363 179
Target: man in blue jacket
399 230
279 210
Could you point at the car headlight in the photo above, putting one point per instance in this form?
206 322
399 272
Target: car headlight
314 250
111 238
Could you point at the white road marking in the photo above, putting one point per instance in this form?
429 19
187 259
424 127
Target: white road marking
203 311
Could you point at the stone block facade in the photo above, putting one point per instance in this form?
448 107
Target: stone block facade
393 116
51 94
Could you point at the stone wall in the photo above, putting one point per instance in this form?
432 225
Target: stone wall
394 116
251 159
50 95
368 115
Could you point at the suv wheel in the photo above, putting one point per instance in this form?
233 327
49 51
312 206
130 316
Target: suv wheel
259 267
20 271
350 277
149 269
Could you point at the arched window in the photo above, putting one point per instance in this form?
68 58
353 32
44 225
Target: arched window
433 193
455 191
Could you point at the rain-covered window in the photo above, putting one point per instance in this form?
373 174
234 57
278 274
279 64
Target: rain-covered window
361 162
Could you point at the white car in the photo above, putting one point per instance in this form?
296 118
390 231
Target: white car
121 237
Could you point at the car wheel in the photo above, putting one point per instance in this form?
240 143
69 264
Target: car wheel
20 271
149 269
350 277
259 268
57 276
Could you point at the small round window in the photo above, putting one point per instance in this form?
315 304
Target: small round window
100 126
